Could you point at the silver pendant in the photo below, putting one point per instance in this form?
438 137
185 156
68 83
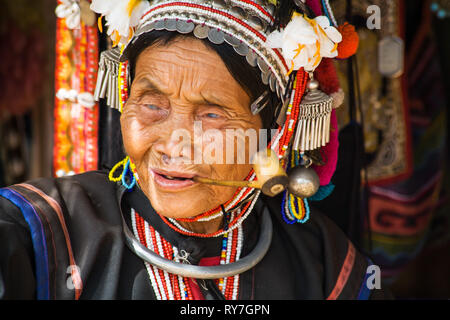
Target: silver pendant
115 88
103 85
100 79
303 182
312 131
109 89
107 81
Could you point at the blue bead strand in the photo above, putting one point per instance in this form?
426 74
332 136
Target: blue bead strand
127 171
283 208
306 218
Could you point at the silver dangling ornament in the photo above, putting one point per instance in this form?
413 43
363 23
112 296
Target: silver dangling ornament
312 132
107 78
313 128
303 180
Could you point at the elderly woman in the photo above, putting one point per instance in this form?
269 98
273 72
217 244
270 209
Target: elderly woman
165 225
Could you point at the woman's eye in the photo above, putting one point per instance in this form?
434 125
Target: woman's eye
212 115
152 107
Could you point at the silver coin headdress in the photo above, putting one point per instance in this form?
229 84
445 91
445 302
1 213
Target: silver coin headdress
286 53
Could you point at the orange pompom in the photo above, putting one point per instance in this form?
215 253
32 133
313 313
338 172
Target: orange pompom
350 40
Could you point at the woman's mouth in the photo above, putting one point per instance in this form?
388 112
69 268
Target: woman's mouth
171 180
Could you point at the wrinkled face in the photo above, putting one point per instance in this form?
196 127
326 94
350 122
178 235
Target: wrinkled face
179 90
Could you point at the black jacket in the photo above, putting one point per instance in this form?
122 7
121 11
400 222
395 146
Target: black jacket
48 225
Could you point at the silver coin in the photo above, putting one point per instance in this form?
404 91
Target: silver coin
238 12
216 36
255 23
146 28
170 24
232 40
272 62
219 4
262 65
241 49
184 15
264 52
272 82
279 91
185 27
265 77
193 16
201 31
159 25
251 58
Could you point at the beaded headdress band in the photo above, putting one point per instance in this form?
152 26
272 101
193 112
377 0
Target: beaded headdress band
244 24
241 24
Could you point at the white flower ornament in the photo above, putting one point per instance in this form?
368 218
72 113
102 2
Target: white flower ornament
69 10
121 16
304 42
85 99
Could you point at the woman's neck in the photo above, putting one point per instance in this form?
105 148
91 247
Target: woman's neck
203 227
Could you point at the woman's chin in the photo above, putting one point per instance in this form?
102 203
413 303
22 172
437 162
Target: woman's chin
173 210
186 202
181 204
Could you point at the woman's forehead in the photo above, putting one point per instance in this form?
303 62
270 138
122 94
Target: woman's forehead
181 55
186 65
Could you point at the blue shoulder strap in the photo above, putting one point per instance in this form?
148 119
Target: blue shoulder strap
38 239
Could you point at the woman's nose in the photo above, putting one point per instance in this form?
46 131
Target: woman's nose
175 143
168 148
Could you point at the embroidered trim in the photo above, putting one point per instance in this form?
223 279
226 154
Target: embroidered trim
344 274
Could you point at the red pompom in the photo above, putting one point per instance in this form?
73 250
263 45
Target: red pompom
327 76
350 40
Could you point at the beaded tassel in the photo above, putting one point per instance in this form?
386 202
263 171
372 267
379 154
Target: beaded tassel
128 173
129 169
123 85
294 209
119 164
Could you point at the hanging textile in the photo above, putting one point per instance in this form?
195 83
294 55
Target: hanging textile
76 113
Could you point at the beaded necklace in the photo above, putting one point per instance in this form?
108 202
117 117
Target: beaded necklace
169 286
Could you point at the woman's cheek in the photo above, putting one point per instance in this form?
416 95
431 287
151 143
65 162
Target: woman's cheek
136 137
